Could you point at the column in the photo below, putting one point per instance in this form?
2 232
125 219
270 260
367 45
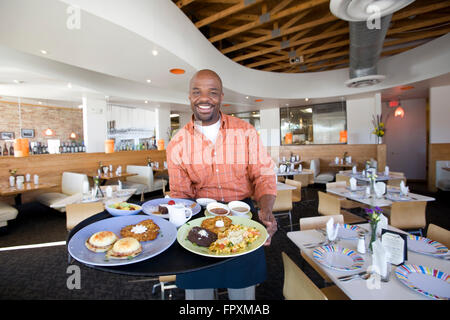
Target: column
94 124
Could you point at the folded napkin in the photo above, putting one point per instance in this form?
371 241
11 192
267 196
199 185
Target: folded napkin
336 160
379 259
380 189
332 230
386 170
382 224
300 168
403 189
354 170
352 184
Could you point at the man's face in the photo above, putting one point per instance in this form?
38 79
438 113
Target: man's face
205 95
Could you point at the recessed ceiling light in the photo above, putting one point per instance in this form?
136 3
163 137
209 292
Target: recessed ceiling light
177 71
246 97
69 85
154 52
146 101
149 81
306 99
44 51
17 81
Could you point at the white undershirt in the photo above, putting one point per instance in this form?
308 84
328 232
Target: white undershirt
210 131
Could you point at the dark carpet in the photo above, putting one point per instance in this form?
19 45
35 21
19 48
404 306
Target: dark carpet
44 273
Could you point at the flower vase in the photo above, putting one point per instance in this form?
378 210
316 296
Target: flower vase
373 234
380 140
372 186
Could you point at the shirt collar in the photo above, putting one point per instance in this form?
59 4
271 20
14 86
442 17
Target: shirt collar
223 121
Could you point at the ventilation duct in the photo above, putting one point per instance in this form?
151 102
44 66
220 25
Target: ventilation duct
369 21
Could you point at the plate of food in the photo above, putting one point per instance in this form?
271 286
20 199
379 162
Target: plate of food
222 237
122 209
122 240
158 207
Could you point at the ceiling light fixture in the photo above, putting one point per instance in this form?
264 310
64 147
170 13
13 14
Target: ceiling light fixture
69 85
44 51
149 81
174 115
399 112
73 135
177 71
146 101
306 99
155 52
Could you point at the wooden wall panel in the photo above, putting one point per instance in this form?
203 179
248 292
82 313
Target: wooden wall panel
50 167
436 152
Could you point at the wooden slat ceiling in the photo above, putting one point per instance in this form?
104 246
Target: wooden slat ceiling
266 34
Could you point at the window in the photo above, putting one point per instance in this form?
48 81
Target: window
251 117
315 124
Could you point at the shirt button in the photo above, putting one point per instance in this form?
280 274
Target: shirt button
220 187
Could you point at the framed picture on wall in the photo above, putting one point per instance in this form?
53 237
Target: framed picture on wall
6 135
27 133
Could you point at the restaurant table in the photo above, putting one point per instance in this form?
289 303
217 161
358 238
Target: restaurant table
360 196
380 176
6 190
292 173
359 289
283 186
174 260
111 176
342 165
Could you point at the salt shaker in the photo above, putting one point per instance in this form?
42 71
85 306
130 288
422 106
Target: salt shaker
361 248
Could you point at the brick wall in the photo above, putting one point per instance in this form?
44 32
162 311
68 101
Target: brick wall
62 120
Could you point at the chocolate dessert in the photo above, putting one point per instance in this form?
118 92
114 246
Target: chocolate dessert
202 237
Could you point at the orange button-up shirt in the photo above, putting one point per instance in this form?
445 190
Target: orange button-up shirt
235 167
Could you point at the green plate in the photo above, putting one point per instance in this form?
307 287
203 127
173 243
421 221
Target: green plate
183 232
247 215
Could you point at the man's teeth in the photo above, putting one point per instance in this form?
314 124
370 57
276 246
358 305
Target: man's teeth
204 107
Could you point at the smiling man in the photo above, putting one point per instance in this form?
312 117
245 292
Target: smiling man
221 157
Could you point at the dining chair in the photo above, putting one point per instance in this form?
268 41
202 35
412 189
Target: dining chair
297 193
319 222
77 212
398 177
165 282
71 191
283 205
438 234
144 181
408 215
345 203
305 180
297 285
331 205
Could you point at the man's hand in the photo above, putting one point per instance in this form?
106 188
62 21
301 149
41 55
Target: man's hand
266 217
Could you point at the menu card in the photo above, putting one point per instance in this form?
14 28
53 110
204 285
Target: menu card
396 246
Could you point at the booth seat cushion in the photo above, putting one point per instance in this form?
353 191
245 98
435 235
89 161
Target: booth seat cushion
58 201
7 212
140 188
444 184
324 177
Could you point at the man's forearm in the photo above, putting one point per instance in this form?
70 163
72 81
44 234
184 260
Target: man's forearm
266 203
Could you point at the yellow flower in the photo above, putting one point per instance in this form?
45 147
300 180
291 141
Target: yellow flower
381 125
381 133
